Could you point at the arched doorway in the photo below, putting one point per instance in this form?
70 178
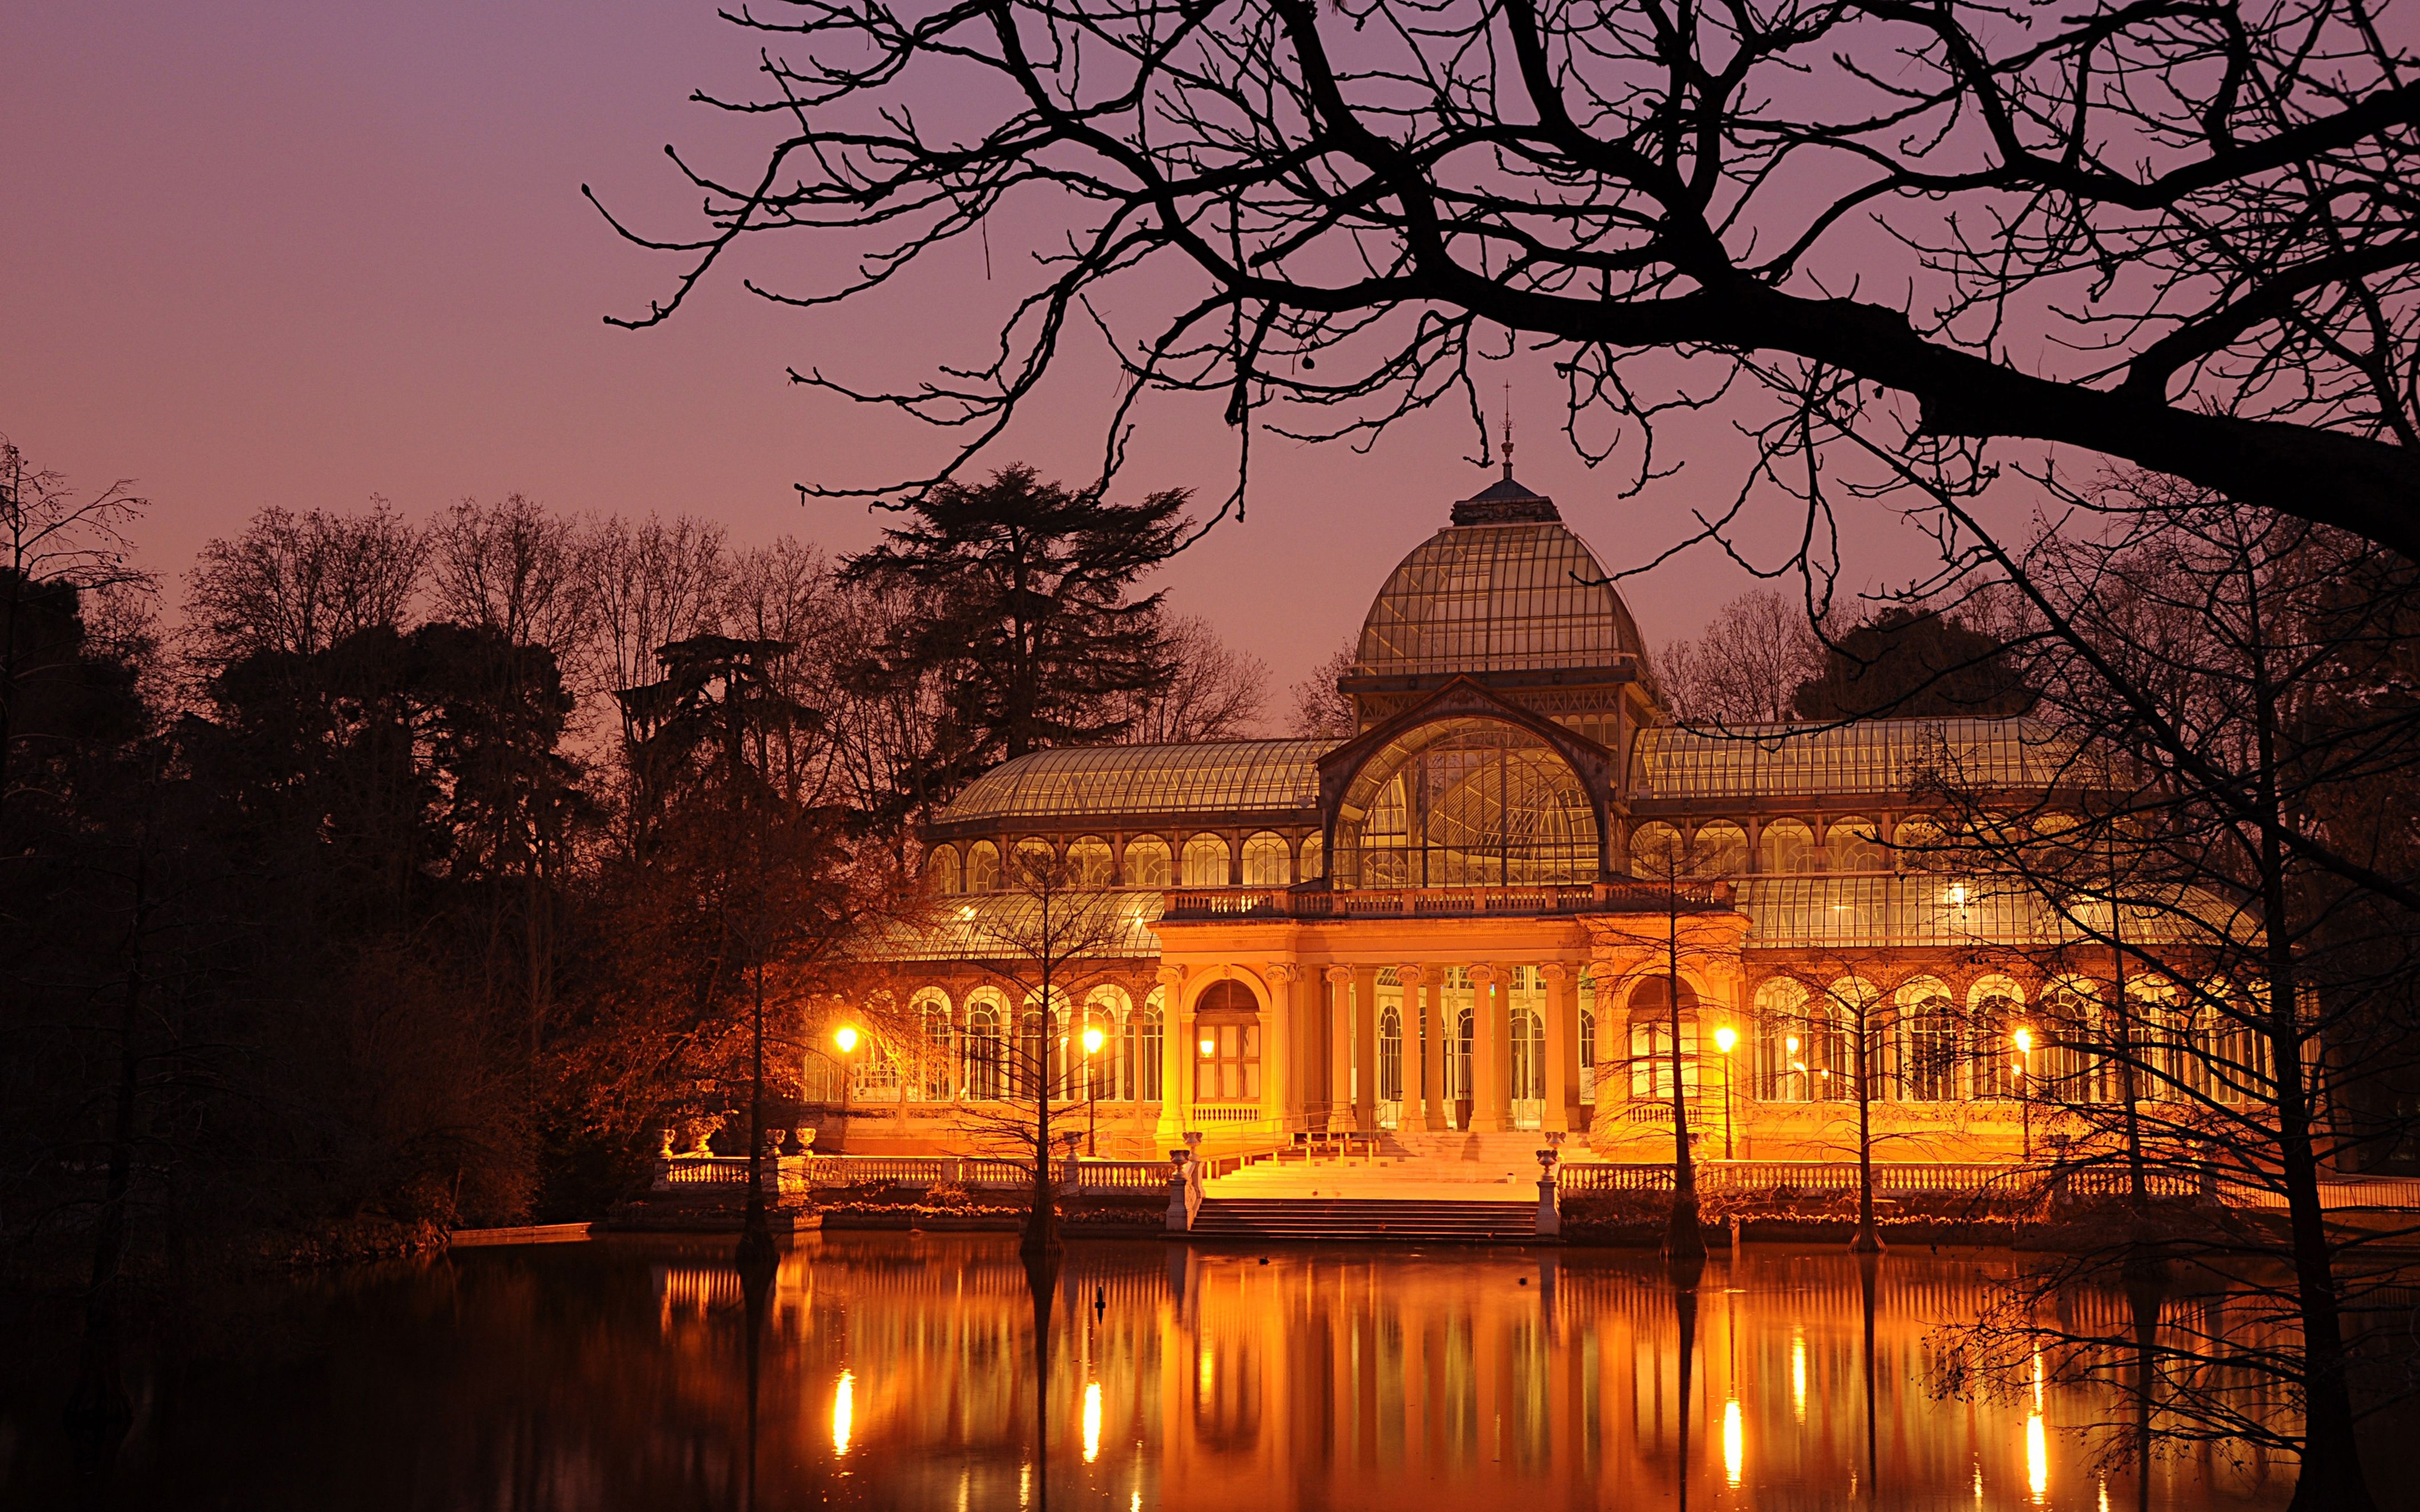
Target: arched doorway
1227 1046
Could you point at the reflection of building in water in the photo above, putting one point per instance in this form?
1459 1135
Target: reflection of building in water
1287 923
1337 1382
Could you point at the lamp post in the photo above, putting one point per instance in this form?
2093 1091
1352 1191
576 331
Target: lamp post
1093 1042
847 1040
2023 1039
1724 1039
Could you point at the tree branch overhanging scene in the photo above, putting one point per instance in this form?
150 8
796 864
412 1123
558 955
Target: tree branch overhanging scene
1106 925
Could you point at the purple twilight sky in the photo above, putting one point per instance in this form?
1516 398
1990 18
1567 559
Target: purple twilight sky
269 251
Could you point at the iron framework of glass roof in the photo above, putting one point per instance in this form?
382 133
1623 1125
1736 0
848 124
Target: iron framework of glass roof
1875 756
1217 777
1948 912
1482 599
1006 926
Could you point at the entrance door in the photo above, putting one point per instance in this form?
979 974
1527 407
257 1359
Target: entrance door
1529 1068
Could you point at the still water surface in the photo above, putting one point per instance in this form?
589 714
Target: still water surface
899 1371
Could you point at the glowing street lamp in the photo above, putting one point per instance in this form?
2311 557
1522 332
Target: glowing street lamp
1726 1038
847 1040
1094 1039
2023 1039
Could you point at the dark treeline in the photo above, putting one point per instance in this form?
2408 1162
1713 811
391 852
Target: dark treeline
395 876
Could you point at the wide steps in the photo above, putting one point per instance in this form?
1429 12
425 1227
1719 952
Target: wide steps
1366 1218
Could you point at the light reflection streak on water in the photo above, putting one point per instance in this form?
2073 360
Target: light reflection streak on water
844 1412
1732 1445
1798 1374
1091 1421
2036 1458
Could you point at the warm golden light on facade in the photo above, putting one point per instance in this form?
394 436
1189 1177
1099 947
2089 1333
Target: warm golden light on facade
1209 1047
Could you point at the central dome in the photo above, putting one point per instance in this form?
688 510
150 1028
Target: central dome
1507 588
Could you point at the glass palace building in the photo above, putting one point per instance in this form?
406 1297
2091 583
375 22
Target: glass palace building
1452 921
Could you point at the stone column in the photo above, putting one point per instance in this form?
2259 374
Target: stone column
1562 1046
1175 1057
1421 1048
1340 1048
1365 1048
1490 1047
1278 1099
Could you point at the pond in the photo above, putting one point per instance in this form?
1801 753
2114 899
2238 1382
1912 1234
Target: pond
896 1371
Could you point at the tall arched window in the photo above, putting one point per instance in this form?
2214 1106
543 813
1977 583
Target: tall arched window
1995 1008
938 1052
1037 865
1146 862
1267 861
982 1075
983 866
1314 858
1391 1055
1227 1047
1148 1028
1935 1047
1528 1066
1035 1044
1106 1008
2063 1065
941 870
1206 861
1788 847
1785 1053
1651 1039
1916 846
1587 995
1836 1017
1088 862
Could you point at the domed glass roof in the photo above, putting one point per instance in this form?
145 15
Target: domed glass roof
1526 596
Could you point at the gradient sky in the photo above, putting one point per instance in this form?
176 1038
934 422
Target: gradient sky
265 251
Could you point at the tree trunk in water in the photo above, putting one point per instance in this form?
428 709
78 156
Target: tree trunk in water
1869 1237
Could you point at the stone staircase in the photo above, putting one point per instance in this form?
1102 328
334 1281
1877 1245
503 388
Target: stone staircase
1396 1219
1468 1188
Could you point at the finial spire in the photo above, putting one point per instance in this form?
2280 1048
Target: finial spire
1508 430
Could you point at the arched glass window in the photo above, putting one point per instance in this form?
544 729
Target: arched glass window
1786 1052
1031 1066
1917 846
1651 1039
1146 862
1108 1069
1850 845
938 1052
1996 1009
1462 802
1206 862
1722 849
1391 1055
941 870
2064 1064
1314 858
1227 1044
1788 847
1037 865
1656 851
2227 1058
1267 861
1835 1018
1934 1049
1588 1054
1457 1055
1148 1047
1088 862
982 1075
1529 1054
983 866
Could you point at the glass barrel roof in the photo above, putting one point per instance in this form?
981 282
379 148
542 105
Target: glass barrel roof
1482 599
1878 756
1007 926
1852 913
1214 777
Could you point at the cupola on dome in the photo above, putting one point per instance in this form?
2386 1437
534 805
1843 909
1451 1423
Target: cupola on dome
1506 588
